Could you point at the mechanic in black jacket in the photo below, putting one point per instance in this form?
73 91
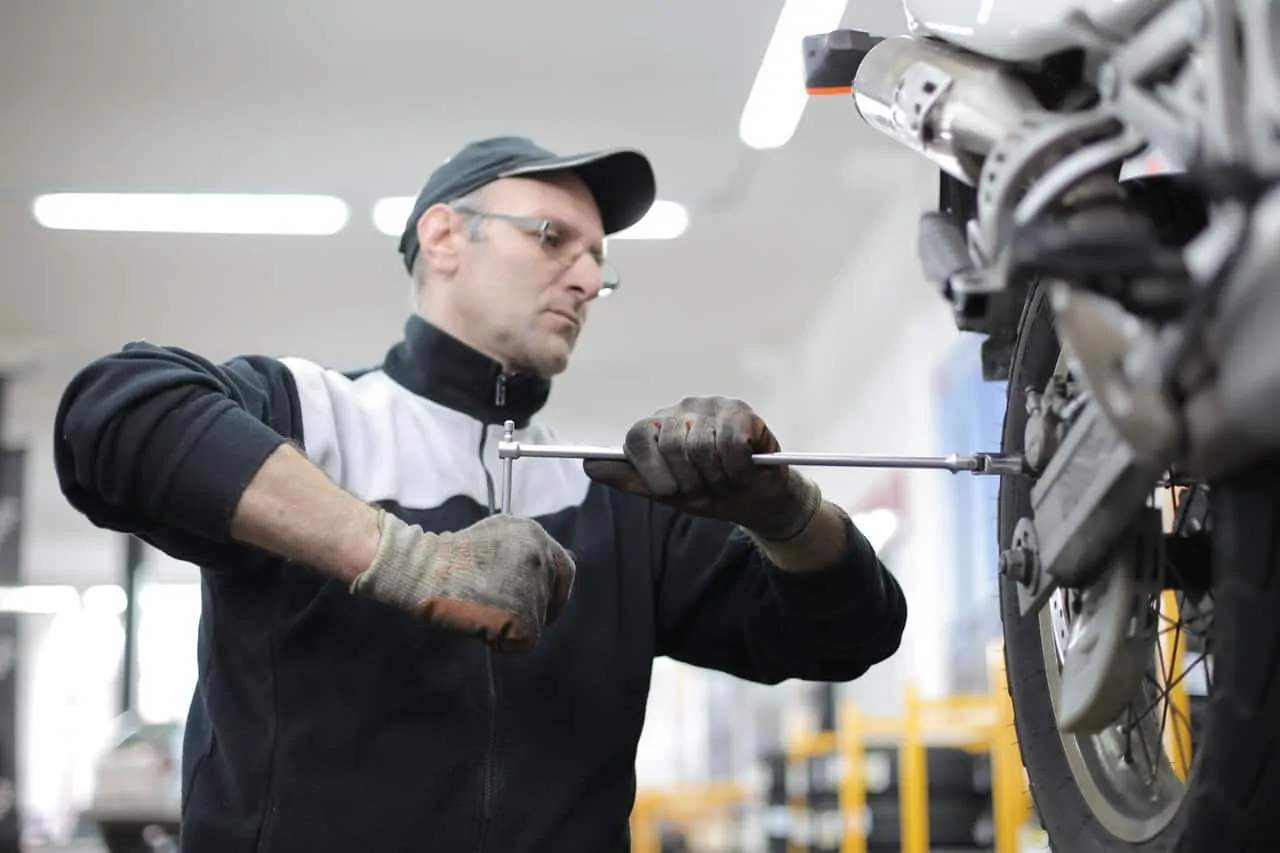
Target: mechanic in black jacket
480 686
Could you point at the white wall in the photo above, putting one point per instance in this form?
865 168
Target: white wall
865 384
896 414
861 320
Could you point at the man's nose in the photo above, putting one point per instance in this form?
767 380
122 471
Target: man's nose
585 277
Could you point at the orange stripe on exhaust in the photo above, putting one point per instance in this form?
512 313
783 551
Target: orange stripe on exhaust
830 90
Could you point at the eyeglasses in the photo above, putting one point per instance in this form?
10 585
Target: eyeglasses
558 241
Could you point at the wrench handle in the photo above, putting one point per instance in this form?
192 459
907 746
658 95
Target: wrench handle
979 463
508 437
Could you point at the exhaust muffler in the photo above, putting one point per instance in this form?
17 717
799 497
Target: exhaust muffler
947 105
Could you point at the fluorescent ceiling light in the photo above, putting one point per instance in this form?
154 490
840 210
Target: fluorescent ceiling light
192 213
665 220
390 215
39 599
778 96
108 599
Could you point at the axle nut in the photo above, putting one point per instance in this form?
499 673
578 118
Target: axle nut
1017 564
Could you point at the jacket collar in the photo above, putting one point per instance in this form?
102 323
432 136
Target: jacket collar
433 364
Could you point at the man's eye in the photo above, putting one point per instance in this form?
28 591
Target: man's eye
552 239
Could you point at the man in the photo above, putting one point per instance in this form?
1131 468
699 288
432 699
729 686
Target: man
479 686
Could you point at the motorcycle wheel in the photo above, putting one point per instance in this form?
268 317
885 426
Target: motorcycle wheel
1230 800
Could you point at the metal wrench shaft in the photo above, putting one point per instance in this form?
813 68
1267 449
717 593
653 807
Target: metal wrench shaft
978 463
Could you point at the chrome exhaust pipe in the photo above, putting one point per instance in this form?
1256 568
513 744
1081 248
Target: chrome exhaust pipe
947 105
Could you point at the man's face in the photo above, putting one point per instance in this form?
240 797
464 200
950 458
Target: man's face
522 289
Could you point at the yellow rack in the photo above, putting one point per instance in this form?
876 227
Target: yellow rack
973 722
977 722
682 803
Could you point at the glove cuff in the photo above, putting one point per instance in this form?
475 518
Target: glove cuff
803 501
387 579
822 544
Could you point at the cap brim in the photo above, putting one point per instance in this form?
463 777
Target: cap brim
621 180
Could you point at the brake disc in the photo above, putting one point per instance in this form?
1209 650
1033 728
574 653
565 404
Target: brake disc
1111 631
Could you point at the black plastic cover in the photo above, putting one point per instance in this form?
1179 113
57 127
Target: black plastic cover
831 59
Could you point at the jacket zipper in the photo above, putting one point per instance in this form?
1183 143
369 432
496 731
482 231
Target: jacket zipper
499 399
500 391
487 803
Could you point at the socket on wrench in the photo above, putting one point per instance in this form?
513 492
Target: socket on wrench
978 463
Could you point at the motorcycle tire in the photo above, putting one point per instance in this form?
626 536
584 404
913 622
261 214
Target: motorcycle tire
1232 800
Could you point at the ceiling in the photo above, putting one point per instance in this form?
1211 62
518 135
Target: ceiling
361 101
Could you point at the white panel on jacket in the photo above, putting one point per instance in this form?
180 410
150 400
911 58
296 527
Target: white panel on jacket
382 442
540 486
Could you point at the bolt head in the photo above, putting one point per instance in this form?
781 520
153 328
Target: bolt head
1015 564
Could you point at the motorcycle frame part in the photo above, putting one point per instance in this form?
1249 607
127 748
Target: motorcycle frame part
1033 167
1262 83
991 314
1018 145
1233 418
1174 85
1231 426
1218 410
920 90
1198 118
1018 32
1099 338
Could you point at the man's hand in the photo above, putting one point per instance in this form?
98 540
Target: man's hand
501 579
696 457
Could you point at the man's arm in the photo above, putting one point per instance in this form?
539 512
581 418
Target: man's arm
822 607
757 575
293 509
162 443
203 461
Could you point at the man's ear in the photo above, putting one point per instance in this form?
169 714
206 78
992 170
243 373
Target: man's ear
440 237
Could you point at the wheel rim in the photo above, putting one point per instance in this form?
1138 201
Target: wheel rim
1133 796
1131 775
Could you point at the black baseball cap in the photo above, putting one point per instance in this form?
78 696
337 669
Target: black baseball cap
621 179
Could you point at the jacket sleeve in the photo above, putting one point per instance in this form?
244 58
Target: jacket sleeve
160 442
721 605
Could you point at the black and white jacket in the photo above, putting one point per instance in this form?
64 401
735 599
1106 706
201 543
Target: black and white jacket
324 722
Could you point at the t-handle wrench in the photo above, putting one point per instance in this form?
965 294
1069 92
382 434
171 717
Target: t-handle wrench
978 463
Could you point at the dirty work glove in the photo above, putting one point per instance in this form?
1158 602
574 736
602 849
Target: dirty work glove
696 456
501 579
